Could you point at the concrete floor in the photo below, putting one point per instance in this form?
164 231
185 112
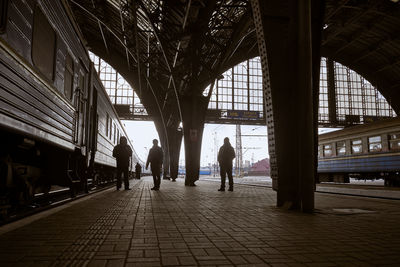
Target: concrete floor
194 226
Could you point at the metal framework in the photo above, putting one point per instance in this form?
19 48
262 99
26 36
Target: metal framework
239 89
122 95
355 99
171 49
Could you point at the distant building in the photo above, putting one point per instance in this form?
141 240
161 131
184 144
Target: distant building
260 168
246 164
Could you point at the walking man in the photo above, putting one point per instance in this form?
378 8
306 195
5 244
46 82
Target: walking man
156 159
122 152
225 156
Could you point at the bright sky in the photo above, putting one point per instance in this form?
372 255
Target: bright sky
254 149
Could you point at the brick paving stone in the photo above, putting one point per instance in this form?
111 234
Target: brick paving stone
237 259
198 252
193 226
109 255
252 259
152 253
142 264
170 261
180 244
296 264
187 260
122 246
97 263
107 248
115 263
39 264
214 262
175 252
144 260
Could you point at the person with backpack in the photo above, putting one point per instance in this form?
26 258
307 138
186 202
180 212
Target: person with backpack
122 152
225 156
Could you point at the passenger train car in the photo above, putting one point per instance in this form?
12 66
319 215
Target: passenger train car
57 124
369 151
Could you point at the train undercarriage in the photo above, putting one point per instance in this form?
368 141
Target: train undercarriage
391 179
31 172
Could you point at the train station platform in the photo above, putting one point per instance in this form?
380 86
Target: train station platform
194 226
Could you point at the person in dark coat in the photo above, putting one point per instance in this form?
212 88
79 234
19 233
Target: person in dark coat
138 170
225 156
156 159
122 152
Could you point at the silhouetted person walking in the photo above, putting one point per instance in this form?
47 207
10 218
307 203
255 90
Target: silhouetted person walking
122 152
138 170
225 156
156 159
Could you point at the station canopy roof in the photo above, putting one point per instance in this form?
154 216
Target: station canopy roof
168 49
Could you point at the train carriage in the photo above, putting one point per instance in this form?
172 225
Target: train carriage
370 151
57 124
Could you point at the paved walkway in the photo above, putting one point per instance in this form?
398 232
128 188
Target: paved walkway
192 226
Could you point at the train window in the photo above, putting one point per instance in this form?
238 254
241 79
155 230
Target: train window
107 122
68 76
356 146
43 44
114 132
374 143
327 150
110 132
341 148
394 141
82 78
82 81
3 14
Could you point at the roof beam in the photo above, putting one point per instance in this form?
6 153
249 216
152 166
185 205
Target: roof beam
373 48
393 62
357 34
350 21
339 6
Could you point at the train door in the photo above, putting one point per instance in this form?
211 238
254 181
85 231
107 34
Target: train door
89 115
92 137
91 126
80 107
93 121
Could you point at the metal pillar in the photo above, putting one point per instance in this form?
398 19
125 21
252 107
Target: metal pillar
175 140
331 90
171 148
284 33
194 110
239 158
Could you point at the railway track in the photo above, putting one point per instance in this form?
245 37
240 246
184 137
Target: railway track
358 190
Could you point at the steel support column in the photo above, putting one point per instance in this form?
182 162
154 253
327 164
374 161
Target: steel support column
330 67
284 33
167 159
171 148
194 110
317 22
175 140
